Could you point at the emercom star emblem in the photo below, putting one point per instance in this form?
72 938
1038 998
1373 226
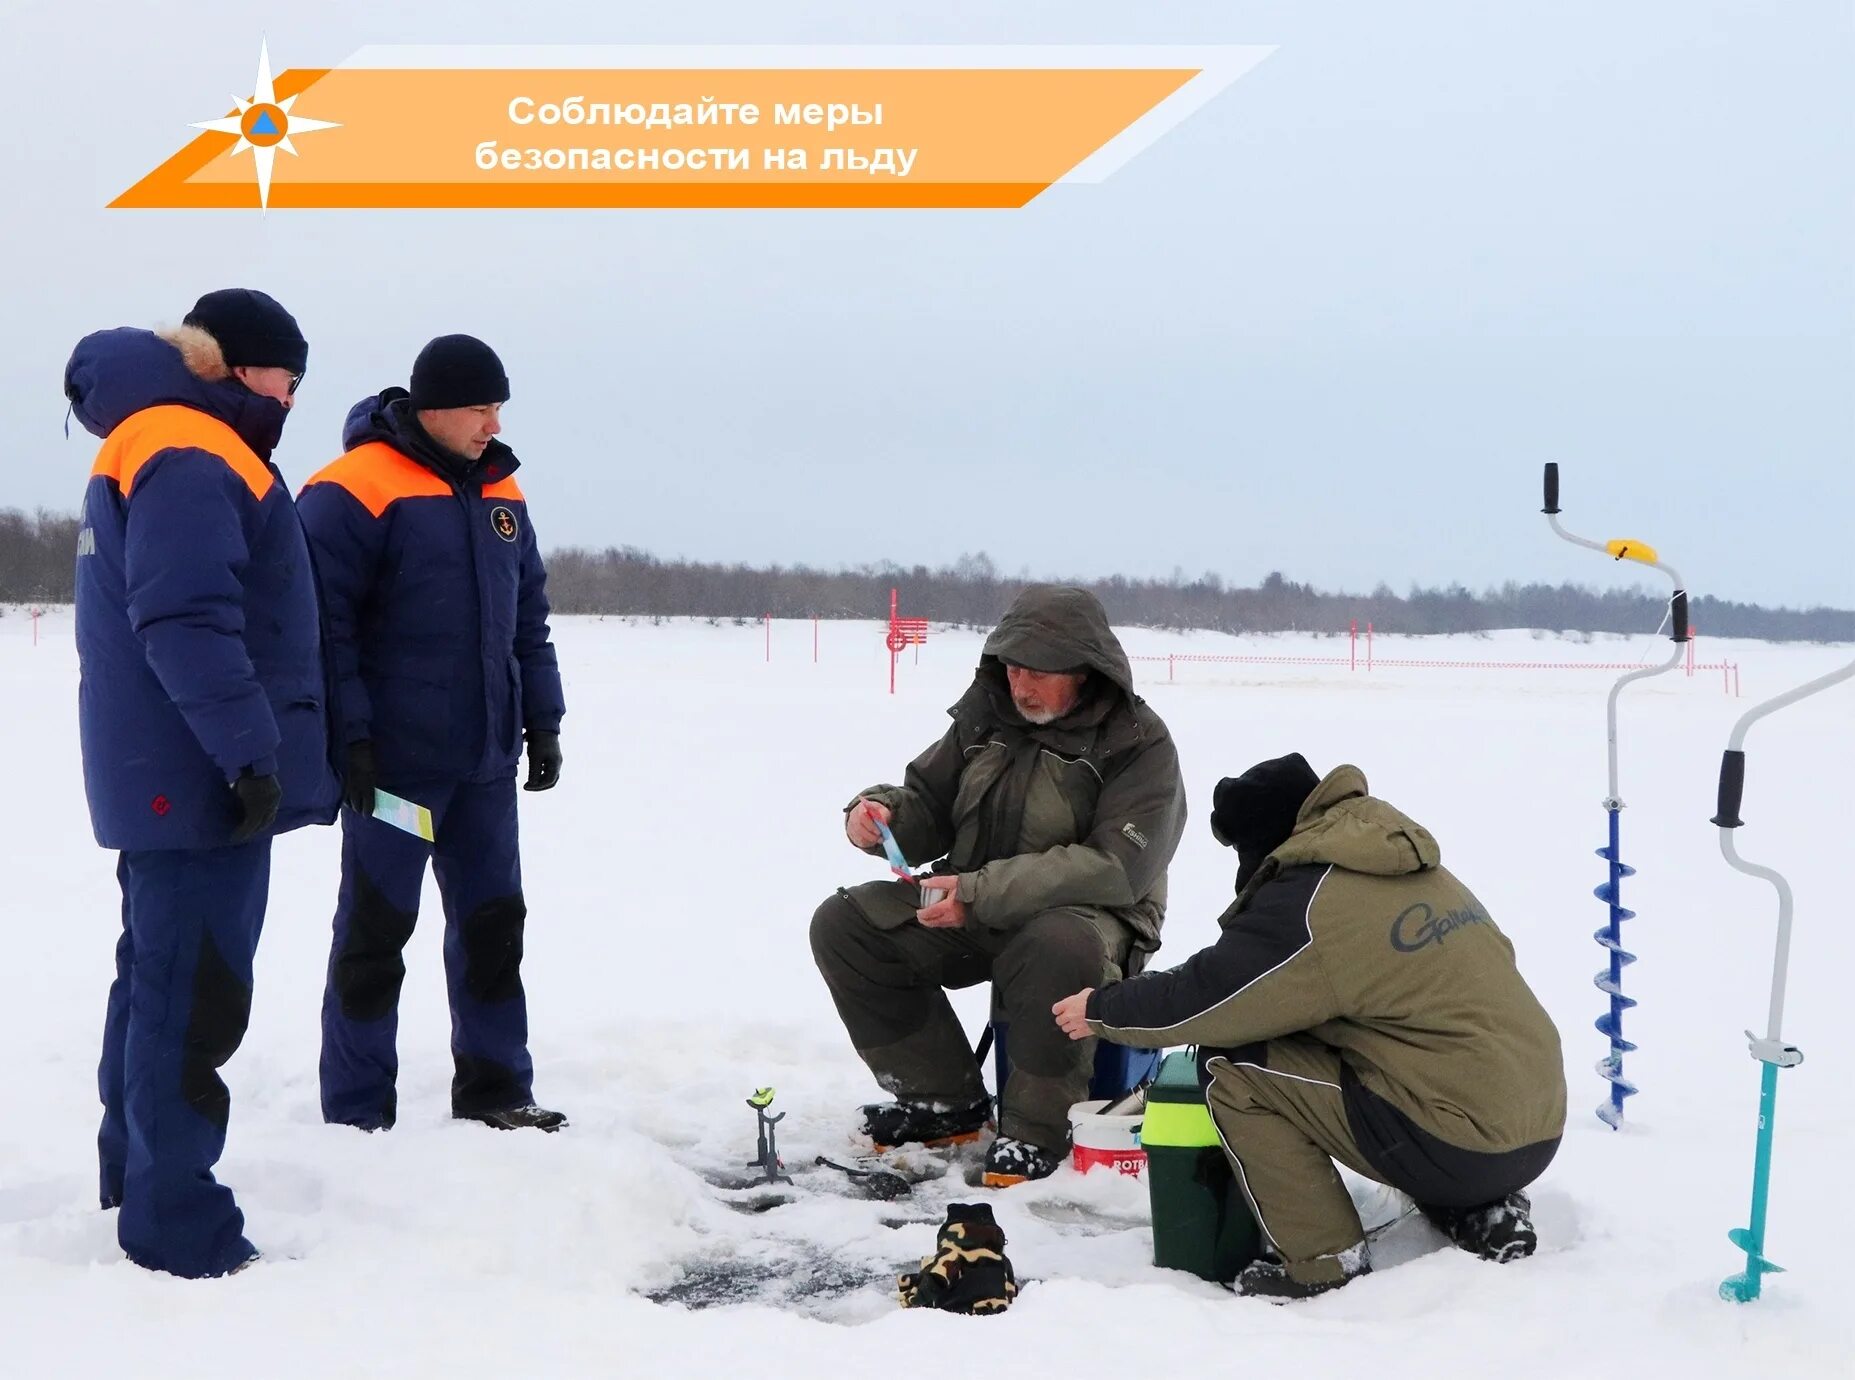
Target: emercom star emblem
264 124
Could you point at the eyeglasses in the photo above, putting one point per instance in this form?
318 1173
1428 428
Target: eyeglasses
296 382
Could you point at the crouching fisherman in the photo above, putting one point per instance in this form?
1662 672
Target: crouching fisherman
1360 1006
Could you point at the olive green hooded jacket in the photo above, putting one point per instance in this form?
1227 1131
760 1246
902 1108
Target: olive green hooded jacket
1084 811
1354 933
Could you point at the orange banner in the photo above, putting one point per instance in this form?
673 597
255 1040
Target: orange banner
728 137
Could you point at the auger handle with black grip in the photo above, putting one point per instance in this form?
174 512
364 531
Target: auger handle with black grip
1681 615
1552 488
1732 788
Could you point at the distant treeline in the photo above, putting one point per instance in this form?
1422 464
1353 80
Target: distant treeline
38 557
37 554
973 591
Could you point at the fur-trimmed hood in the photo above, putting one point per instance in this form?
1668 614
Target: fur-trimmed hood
116 373
198 351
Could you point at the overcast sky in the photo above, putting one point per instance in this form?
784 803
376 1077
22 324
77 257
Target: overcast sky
1331 325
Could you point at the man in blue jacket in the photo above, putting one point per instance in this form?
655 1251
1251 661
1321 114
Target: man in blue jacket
202 709
437 610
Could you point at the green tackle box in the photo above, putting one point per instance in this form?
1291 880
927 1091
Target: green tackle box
1201 1220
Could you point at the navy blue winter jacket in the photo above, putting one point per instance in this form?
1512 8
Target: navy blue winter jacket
436 600
198 638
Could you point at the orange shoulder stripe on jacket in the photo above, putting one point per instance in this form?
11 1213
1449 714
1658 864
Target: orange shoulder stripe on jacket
505 488
379 476
145 434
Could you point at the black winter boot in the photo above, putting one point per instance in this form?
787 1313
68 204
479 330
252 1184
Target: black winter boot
525 1118
1501 1231
1010 1161
1268 1278
890 1124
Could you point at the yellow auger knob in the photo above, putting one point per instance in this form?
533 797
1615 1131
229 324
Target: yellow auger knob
1632 551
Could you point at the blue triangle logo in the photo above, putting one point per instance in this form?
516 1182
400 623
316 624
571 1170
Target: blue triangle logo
265 125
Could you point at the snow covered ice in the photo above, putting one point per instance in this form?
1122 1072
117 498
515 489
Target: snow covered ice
671 879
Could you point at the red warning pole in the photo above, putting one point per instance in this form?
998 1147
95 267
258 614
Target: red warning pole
1355 665
1368 645
894 642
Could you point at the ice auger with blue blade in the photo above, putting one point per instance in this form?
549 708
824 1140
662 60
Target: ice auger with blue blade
1610 980
1771 1051
1610 937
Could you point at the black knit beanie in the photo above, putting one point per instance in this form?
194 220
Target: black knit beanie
252 329
457 371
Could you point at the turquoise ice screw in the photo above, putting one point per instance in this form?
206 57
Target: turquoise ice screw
1771 1050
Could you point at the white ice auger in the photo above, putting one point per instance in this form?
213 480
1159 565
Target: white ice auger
1610 938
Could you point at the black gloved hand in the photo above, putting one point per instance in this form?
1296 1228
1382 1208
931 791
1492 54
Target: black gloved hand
544 760
258 798
358 779
968 1272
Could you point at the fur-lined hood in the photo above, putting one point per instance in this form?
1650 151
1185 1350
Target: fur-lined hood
114 374
201 354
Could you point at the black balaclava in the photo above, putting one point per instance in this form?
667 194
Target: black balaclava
1255 813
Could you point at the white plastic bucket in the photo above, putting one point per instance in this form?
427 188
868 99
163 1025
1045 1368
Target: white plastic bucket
1105 1142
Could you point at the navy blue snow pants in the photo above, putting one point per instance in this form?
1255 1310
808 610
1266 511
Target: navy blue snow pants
177 1012
478 865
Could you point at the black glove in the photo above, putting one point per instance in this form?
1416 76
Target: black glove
258 799
543 760
968 1272
358 779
